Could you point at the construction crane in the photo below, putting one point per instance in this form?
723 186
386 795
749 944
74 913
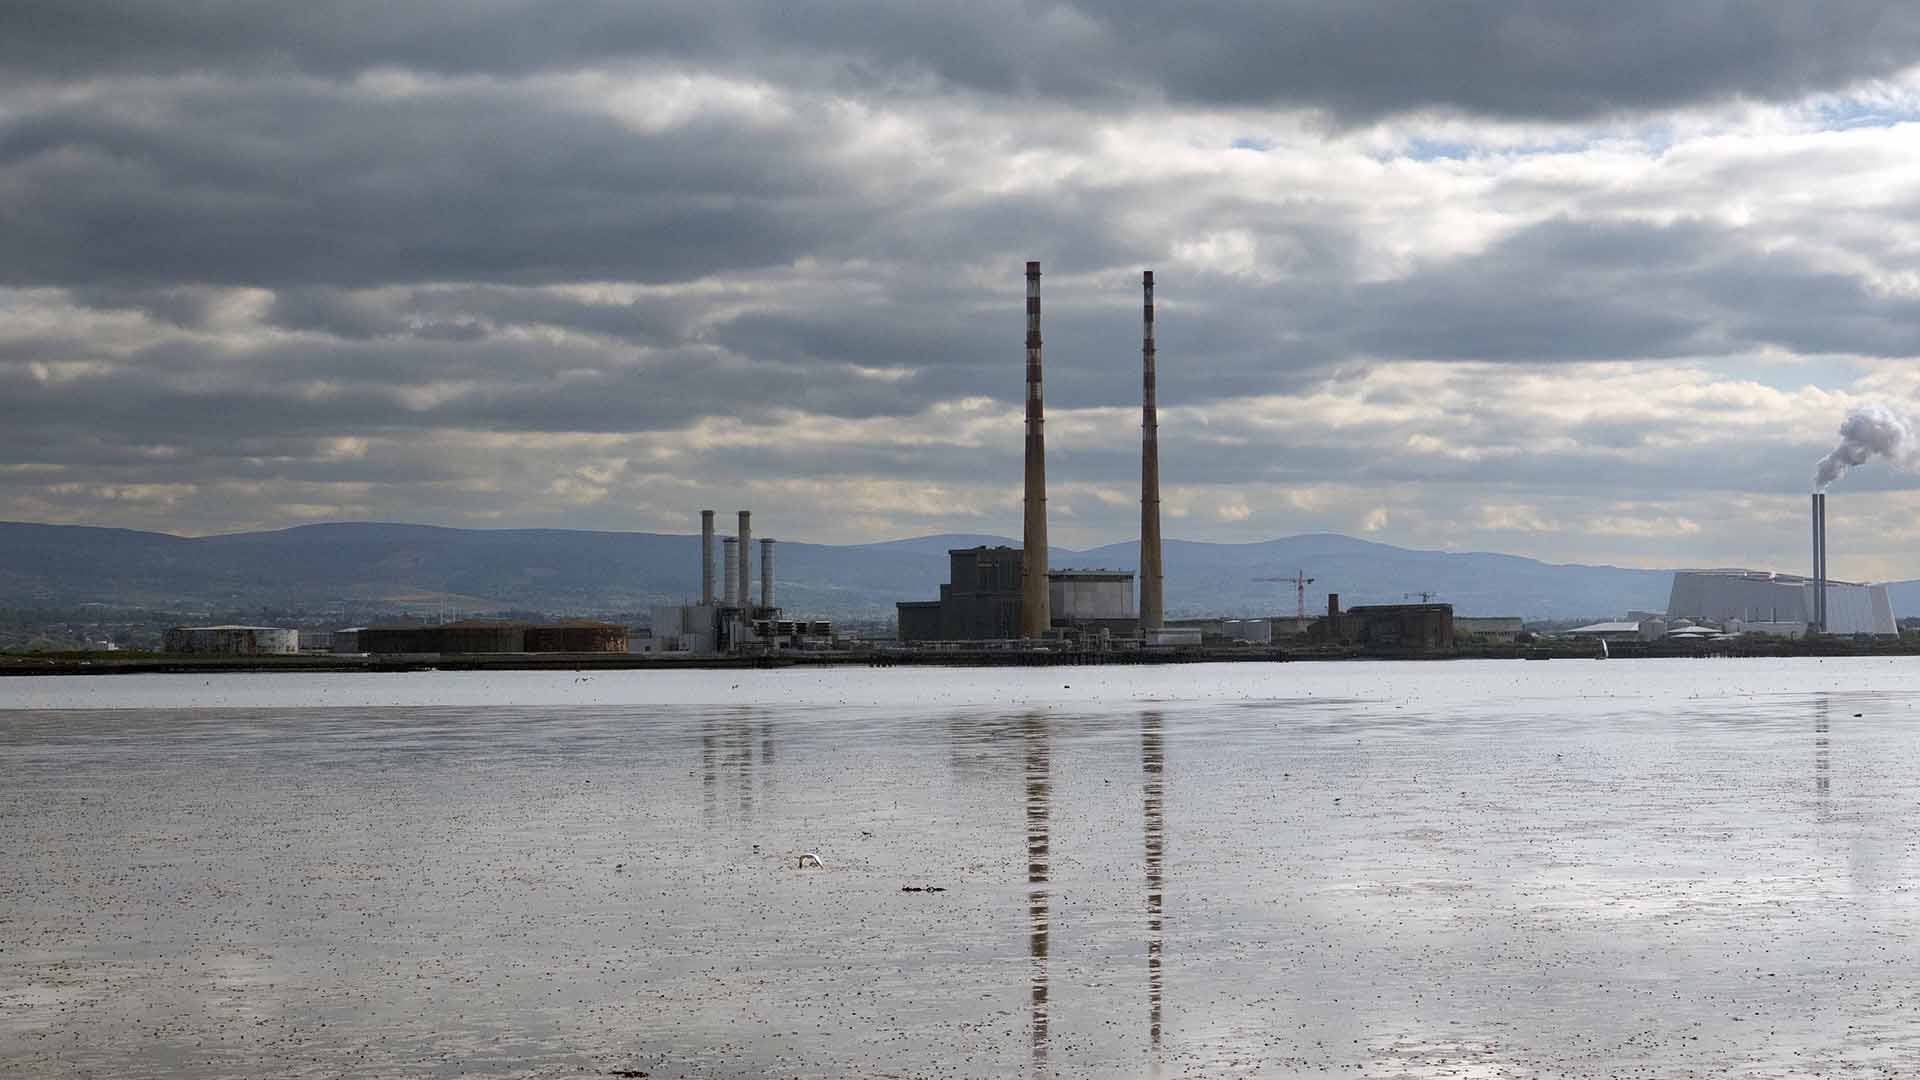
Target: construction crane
1299 581
1425 597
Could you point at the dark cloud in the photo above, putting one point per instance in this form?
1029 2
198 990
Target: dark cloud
293 185
1555 59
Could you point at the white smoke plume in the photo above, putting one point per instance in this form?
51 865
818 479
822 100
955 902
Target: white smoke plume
1869 431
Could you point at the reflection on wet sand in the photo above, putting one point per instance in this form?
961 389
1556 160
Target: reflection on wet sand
1821 765
1152 760
1039 798
728 754
709 778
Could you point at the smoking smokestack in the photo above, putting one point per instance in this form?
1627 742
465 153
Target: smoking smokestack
766 573
1867 431
706 557
1036 614
1819 613
730 568
1151 605
746 558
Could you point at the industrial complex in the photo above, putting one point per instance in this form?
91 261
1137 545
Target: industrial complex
731 622
1005 599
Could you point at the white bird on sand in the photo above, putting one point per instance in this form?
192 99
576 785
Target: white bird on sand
808 858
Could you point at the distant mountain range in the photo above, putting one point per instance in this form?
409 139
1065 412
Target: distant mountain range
371 567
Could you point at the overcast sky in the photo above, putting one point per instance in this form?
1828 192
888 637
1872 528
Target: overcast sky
1587 282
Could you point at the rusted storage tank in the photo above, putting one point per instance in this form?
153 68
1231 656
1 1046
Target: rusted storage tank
469 636
578 636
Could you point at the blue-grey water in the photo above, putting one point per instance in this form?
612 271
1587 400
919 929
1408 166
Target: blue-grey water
1501 869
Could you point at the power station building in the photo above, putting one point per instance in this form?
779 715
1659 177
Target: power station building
1755 597
981 600
731 621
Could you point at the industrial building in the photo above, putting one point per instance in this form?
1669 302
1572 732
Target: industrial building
1620 630
982 599
1787 603
488 636
1423 627
1497 627
731 621
231 641
1092 602
1232 631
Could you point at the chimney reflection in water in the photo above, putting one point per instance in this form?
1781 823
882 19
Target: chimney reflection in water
709 778
1822 782
727 755
1039 791
1152 761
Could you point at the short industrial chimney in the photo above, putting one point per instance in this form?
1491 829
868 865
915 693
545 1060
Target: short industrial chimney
1152 606
706 557
766 573
1819 613
1036 615
730 571
746 559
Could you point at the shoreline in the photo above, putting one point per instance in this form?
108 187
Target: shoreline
110 663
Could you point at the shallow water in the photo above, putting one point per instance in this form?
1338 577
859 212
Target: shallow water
1501 869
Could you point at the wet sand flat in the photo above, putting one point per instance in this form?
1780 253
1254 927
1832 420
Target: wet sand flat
1475 869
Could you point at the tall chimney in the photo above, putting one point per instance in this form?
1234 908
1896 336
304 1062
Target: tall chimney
1825 579
1036 615
1151 601
1818 616
706 557
766 573
730 571
746 558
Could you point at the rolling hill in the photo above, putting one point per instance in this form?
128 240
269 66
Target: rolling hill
418 568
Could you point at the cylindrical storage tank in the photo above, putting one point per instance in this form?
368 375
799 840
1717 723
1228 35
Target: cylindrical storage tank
730 572
577 637
474 636
479 636
766 573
